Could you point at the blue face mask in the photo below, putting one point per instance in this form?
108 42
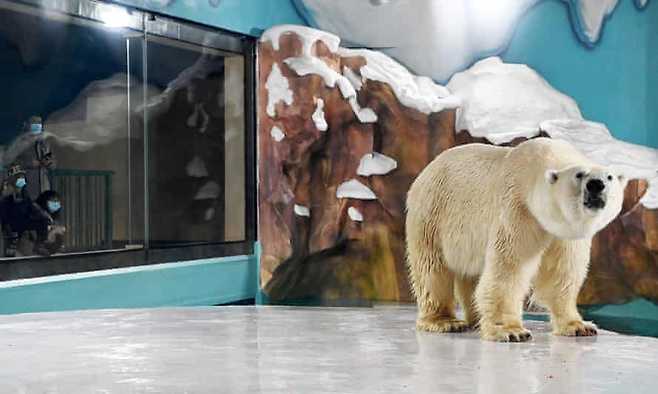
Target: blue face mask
54 206
36 128
20 183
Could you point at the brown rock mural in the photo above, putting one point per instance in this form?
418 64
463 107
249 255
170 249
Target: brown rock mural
313 247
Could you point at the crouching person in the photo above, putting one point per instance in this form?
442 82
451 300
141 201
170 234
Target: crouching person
50 203
20 215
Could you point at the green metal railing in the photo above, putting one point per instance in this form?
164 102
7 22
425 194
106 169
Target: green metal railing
87 202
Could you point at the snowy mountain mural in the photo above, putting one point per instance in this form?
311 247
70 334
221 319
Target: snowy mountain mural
438 38
332 192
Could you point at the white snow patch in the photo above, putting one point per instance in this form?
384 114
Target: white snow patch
595 141
642 3
208 191
412 91
278 89
355 189
301 210
376 164
354 214
196 168
354 79
365 115
277 134
318 115
502 101
313 66
307 65
308 36
592 14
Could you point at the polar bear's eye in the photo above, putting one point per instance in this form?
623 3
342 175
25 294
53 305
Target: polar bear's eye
610 177
580 175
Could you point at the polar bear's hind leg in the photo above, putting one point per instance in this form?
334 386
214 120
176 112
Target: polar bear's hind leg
433 285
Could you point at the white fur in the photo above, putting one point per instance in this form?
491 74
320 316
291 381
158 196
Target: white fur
483 222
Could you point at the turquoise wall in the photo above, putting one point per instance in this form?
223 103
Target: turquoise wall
192 283
243 16
651 105
615 82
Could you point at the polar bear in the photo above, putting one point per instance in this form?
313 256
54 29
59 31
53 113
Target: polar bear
485 224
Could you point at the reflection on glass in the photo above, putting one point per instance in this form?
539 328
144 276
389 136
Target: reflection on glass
197 145
68 129
80 112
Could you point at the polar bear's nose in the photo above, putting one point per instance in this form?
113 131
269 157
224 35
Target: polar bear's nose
595 186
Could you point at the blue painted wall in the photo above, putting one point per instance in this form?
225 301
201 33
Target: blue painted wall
616 82
243 16
651 105
192 283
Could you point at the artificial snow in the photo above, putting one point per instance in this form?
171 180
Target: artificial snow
196 168
591 14
305 65
278 89
355 189
301 210
365 115
354 79
440 37
412 91
431 37
277 134
308 36
354 214
595 141
376 164
318 115
503 101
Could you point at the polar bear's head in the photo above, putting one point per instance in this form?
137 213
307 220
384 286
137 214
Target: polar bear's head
581 200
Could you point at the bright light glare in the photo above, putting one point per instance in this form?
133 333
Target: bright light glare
115 17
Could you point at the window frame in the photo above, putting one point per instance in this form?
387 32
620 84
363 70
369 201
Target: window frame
172 29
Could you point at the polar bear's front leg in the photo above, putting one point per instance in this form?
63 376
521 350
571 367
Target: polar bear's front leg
500 295
561 274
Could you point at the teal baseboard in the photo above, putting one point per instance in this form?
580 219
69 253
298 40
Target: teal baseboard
638 317
192 283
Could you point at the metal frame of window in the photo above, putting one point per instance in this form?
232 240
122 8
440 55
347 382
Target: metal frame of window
151 24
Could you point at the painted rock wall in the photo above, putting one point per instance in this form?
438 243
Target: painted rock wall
315 244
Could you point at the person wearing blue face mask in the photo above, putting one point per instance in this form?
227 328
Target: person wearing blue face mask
19 214
50 202
33 151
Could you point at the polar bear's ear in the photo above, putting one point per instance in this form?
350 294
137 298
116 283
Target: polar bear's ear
551 176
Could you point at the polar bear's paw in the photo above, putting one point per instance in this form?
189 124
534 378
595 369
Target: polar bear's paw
441 324
505 333
576 328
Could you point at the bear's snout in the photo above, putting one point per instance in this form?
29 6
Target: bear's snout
595 186
594 198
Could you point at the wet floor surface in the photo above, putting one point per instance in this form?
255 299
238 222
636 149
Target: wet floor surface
303 350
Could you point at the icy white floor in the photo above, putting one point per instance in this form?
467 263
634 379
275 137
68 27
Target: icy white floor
302 350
